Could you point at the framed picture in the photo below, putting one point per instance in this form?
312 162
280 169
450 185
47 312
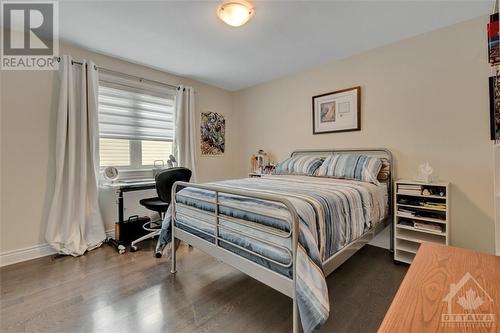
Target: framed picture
338 111
213 134
494 108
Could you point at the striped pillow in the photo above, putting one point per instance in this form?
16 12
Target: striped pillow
351 166
298 165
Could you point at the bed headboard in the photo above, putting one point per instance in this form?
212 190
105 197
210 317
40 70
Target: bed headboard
375 152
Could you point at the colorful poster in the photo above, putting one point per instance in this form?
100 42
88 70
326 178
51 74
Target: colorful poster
213 134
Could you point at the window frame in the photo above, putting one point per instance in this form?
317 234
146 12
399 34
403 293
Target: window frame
135 157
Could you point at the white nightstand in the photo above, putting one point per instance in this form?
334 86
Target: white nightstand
419 216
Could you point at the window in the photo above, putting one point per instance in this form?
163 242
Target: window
155 150
115 152
136 123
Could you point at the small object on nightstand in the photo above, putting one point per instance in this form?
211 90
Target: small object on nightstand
421 214
258 162
268 169
426 173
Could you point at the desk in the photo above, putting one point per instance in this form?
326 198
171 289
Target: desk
122 187
447 289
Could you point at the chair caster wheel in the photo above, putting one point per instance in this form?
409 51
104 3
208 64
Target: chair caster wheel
133 248
158 254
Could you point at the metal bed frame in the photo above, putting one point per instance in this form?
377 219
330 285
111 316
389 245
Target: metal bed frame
263 274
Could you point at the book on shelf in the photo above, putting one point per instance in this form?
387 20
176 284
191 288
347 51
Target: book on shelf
427 226
413 214
409 192
406 213
406 223
410 187
436 205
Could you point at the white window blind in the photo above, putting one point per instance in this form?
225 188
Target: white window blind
136 122
135 112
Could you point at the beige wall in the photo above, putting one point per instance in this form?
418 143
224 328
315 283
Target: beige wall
28 102
425 98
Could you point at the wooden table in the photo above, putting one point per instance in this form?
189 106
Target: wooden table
447 289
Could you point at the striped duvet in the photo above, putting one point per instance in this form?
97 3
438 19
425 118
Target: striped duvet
332 213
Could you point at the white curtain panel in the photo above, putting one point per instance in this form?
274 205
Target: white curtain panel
75 223
184 145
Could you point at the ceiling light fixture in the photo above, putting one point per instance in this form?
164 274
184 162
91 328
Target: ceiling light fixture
235 12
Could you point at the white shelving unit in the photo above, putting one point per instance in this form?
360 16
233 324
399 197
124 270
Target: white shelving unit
407 238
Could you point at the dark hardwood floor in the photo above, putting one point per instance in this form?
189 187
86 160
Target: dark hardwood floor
107 292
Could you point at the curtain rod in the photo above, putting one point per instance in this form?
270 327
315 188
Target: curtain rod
73 62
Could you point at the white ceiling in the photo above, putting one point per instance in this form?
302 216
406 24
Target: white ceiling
186 37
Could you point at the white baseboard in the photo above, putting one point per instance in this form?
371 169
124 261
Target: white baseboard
28 253
32 252
110 233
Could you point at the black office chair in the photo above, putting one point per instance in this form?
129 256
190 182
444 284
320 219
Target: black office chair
164 183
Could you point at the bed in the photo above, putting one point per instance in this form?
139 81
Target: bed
287 231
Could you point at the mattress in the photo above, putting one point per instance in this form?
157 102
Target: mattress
344 210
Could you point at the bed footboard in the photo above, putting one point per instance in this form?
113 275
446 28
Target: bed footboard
267 276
